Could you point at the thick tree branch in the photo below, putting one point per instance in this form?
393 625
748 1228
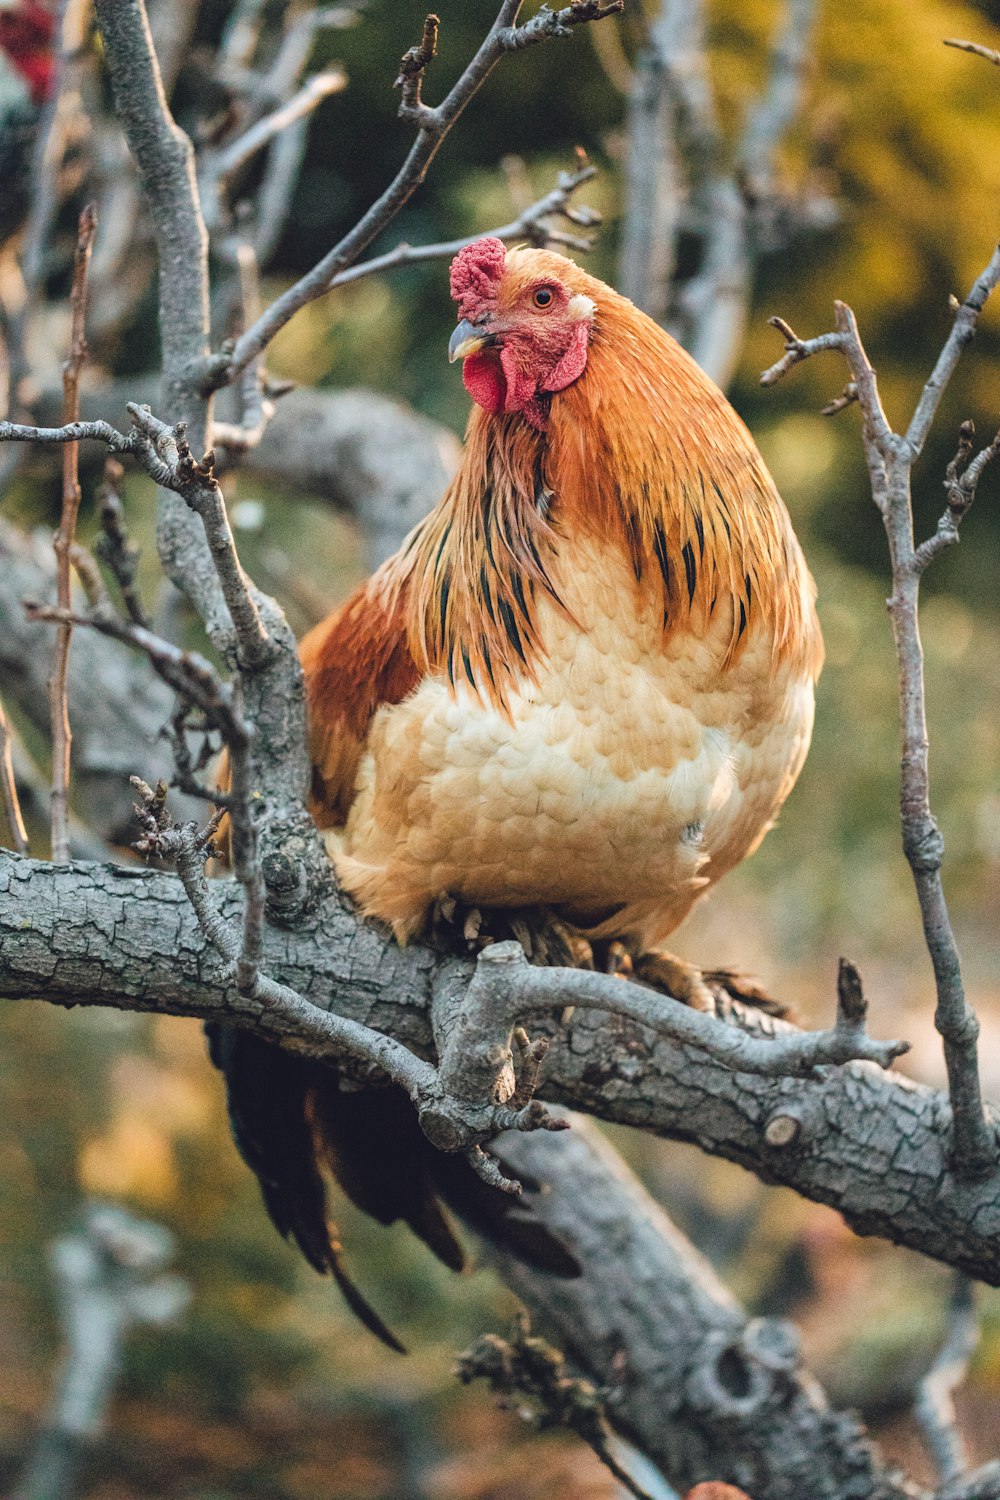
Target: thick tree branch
706 1393
869 1142
165 160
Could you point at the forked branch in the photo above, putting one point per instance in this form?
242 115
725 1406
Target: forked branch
890 457
433 125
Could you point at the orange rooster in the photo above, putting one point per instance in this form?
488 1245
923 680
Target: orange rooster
585 681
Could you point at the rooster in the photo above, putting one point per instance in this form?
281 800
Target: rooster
584 682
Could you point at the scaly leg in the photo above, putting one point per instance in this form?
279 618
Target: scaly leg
547 940
702 988
683 980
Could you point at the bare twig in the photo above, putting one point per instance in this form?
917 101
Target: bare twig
531 225
64 541
477 1093
312 93
527 1366
962 333
987 53
114 546
218 166
507 989
433 125
960 483
257 406
412 67
8 788
194 678
241 35
934 1409
187 848
847 398
166 456
890 457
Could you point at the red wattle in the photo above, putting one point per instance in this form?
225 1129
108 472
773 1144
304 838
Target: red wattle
484 380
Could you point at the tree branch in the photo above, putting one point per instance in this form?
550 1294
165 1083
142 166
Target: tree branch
527 1366
866 1141
890 459
312 93
963 331
935 1409
706 1393
433 126
117 706
529 225
65 540
8 788
112 1275
988 53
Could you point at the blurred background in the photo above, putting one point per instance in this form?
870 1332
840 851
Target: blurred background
264 1386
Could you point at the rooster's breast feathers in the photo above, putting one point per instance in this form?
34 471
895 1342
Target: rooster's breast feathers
586 679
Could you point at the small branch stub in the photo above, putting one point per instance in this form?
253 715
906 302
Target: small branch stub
412 67
782 1130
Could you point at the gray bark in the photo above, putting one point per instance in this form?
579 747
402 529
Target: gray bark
870 1143
116 705
702 1391
366 455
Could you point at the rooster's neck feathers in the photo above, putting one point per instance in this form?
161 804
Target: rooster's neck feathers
472 572
643 453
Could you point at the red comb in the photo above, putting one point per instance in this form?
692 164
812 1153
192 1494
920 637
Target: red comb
475 275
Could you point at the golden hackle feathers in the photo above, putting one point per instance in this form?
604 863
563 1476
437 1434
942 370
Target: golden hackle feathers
644 453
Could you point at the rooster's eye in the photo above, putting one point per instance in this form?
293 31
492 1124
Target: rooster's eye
543 296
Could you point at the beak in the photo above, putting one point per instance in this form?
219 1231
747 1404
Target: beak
467 339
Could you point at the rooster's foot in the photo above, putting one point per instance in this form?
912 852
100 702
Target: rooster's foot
703 988
613 958
744 988
676 977
547 941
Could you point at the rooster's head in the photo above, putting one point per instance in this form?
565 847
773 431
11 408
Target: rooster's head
523 330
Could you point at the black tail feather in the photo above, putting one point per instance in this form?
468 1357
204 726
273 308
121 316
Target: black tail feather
289 1116
267 1092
